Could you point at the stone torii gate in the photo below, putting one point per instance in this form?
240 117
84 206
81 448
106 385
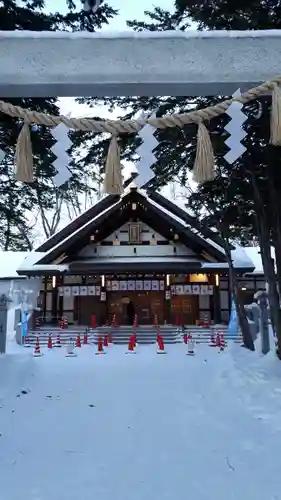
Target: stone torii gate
40 64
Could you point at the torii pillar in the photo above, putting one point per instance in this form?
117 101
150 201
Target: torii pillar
154 63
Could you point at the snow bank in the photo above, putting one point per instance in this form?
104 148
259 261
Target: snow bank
142 34
140 427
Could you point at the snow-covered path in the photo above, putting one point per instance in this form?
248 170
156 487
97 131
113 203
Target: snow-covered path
141 427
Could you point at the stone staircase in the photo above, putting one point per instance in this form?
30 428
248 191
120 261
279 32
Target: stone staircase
203 334
146 334
43 332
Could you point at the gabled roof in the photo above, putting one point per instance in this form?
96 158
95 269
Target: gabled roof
192 222
77 223
115 213
59 253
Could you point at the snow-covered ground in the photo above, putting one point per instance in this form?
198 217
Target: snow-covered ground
140 427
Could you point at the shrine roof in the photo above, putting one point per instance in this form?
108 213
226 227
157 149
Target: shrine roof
59 253
111 213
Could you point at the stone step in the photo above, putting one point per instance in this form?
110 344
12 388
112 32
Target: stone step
121 334
177 341
146 334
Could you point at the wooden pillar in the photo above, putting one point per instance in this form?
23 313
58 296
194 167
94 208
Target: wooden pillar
45 299
103 298
216 299
76 309
167 300
60 299
54 303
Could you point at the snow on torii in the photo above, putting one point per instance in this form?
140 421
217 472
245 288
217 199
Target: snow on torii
130 63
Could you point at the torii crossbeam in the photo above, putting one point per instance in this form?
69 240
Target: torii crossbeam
158 63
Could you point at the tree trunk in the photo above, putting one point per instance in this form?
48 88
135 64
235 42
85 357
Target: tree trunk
235 291
236 294
275 212
275 225
269 272
267 262
277 248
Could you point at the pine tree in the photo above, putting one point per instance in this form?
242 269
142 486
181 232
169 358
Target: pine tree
176 150
22 206
261 164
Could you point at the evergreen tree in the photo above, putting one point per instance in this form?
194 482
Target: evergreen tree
232 14
261 162
23 206
176 151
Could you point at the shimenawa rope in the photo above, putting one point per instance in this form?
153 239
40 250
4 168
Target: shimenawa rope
204 164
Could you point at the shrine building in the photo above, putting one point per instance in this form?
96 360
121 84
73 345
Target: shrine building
138 247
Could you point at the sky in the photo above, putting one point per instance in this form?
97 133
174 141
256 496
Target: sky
128 10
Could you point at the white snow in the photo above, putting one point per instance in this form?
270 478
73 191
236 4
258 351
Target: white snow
29 263
30 259
87 224
142 34
254 254
9 262
241 257
140 427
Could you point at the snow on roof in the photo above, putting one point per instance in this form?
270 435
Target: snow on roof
79 229
47 267
240 258
30 259
191 33
71 221
167 212
9 263
254 254
29 263
185 224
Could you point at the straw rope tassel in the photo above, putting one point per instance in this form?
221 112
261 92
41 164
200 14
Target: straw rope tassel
113 180
204 165
275 119
23 157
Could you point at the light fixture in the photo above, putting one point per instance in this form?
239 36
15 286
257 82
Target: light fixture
243 288
54 281
134 206
168 280
217 279
198 278
103 280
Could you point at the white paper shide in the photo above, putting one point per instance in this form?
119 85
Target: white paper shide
236 131
60 148
147 157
